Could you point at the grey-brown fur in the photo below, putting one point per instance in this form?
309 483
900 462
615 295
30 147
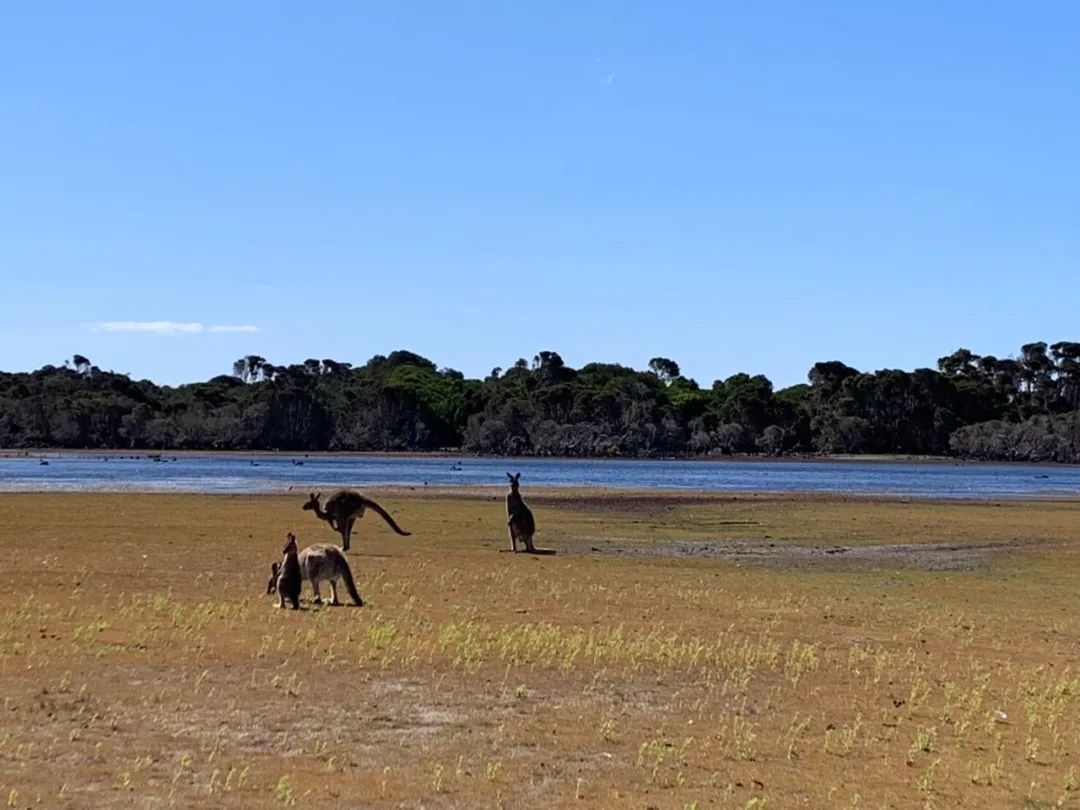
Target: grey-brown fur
271 586
344 508
288 575
519 518
322 562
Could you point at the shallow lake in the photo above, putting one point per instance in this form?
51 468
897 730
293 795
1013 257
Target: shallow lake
279 473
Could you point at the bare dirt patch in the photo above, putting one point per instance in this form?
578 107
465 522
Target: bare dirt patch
925 556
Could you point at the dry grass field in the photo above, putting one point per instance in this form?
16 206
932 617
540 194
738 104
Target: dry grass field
679 651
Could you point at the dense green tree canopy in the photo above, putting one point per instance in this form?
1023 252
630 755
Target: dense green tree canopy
971 405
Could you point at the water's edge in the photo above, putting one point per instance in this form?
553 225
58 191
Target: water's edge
278 473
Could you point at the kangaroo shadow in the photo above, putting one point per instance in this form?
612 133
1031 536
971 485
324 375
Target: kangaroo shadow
536 552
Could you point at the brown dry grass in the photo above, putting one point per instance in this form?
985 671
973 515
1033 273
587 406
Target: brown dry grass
142 666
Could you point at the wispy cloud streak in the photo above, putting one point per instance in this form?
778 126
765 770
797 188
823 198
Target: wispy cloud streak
169 327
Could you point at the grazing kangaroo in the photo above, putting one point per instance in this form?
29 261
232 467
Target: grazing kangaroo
286 577
320 562
519 518
344 508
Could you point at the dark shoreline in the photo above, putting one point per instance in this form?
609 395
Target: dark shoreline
869 458
839 458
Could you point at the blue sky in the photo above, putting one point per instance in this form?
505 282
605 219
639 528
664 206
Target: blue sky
735 186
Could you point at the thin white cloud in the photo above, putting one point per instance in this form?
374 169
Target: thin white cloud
168 327
608 80
157 327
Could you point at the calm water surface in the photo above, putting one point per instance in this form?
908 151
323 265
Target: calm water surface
251 474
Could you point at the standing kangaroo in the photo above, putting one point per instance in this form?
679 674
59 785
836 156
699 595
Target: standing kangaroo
344 508
319 562
519 518
286 577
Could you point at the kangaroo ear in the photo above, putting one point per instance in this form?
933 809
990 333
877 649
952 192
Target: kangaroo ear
517 478
511 477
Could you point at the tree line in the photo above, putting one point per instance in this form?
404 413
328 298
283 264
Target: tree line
1025 408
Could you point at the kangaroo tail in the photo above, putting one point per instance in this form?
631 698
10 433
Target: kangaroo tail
374 507
350 584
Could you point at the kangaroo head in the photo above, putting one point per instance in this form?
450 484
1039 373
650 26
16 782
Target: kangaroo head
290 544
271 586
313 501
515 480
